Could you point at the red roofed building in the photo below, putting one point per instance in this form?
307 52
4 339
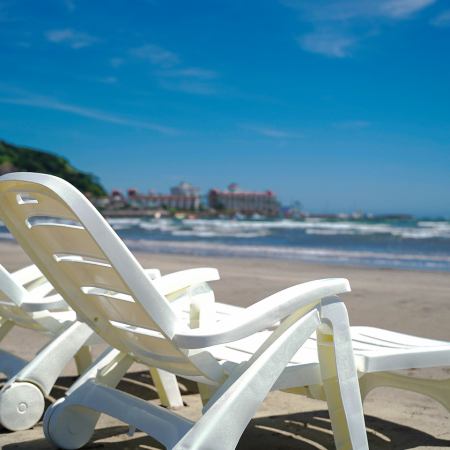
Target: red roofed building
182 197
234 200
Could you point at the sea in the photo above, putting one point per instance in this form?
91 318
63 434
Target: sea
419 244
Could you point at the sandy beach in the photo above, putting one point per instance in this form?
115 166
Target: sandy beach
407 301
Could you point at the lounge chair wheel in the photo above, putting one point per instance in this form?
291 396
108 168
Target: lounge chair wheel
68 426
21 406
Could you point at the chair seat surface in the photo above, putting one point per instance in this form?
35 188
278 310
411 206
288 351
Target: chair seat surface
375 349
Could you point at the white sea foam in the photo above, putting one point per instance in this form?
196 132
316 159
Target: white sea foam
217 233
207 228
123 223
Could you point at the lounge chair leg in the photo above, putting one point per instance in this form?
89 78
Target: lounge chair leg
71 426
70 422
339 376
48 364
438 390
83 359
167 386
201 313
233 405
22 398
206 392
5 327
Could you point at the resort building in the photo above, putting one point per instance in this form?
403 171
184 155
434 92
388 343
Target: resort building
234 200
185 189
183 197
117 200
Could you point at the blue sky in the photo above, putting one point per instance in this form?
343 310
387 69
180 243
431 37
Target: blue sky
343 105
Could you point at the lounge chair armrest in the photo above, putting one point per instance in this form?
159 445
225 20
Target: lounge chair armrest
176 281
261 315
27 275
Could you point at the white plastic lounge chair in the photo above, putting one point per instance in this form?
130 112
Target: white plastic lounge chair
24 302
98 276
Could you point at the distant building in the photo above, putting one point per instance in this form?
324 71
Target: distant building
234 200
181 202
185 189
117 200
182 197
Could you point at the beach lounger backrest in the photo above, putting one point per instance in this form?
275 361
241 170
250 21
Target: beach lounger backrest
82 256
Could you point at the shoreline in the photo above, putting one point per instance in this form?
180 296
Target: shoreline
210 250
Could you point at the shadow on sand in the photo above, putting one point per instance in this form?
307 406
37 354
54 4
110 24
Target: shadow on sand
309 430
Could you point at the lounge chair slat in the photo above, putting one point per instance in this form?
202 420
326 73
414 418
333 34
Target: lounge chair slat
45 205
94 275
67 240
122 311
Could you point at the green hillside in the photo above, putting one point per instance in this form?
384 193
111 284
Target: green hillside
21 159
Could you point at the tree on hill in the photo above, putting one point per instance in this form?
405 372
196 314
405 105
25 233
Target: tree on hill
22 159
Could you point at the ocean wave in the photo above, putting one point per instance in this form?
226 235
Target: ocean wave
203 239
124 223
220 233
210 228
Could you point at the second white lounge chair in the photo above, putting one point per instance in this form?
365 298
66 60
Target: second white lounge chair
24 302
97 275
27 301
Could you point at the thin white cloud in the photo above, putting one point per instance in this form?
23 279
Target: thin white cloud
190 80
442 20
322 11
339 25
72 38
157 55
172 75
44 102
401 9
327 43
271 132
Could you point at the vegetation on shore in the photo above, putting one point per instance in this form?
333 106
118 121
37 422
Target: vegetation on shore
21 159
